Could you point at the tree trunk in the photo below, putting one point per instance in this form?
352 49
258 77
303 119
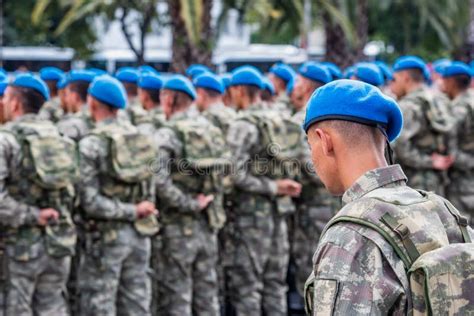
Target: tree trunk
184 51
337 47
362 27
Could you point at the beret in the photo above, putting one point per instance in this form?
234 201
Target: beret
354 101
333 70
209 80
283 71
147 68
197 69
290 86
268 85
108 90
439 65
386 71
315 72
97 71
81 75
3 84
51 73
369 73
149 80
456 68
127 74
246 75
226 80
3 71
31 81
349 72
63 82
411 62
180 83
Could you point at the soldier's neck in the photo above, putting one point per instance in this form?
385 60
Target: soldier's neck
414 86
360 164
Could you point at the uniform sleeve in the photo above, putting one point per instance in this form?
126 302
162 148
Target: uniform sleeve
169 151
406 151
95 204
241 138
67 128
350 269
464 160
13 213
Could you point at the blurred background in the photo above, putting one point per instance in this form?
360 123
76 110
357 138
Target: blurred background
172 34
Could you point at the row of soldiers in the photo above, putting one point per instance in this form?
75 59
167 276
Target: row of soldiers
224 161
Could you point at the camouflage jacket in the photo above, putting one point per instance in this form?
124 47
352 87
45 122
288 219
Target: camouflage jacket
283 104
94 163
220 115
75 125
463 110
356 270
150 121
51 110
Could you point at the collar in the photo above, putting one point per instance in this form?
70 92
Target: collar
27 117
391 176
189 112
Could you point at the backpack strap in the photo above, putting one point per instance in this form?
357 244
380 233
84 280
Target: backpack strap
462 222
403 232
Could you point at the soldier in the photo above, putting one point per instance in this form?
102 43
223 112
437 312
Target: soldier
268 92
423 147
387 77
210 90
76 121
361 262
226 97
333 70
368 73
257 253
117 194
315 206
456 82
128 76
52 109
149 87
35 203
281 75
196 69
190 196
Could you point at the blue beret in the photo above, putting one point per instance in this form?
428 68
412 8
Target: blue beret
209 80
290 86
147 68
31 81
369 73
197 69
333 70
349 72
354 101
226 78
283 71
180 83
81 75
246 75
457 68
51 73
315 72
150 80
97 71
386 71
268 85
127 74
108 90
411 62
3 84
3 72
439 65
63 82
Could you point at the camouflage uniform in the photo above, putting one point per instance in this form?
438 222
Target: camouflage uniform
283 104
186 249
426 131
75 125
37 268
257 247
51 110
114 266
134 111
461 188
220 115
149 121
314 208
356 270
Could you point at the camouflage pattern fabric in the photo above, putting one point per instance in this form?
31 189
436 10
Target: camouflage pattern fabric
461 189
114 268
427 125
51 110
356 270
75 125
220 115
187 246
257 249
283 104
151 121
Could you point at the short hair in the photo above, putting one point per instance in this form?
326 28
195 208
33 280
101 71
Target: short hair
154 94
462 81
30 99
131 88
315 84
80 87
181 98
52 85
212 93
416 74
266 95
252 91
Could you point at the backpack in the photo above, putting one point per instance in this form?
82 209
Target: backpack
441 280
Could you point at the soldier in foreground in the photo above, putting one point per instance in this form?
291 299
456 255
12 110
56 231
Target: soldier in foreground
385 228
37 234
456 82
117 194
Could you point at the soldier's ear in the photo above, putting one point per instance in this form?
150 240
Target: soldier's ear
327 145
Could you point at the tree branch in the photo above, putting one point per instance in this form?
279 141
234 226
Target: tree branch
128 36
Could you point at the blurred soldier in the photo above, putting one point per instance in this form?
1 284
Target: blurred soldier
52 110
334 70
315 206
76 121
129 76
387 77
437 70
267 94
422 148
3 85
190 195
368 73
196 69
281 75
210 90
37 170
149 87
257 249
456 82
117 194
226 97
385 228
